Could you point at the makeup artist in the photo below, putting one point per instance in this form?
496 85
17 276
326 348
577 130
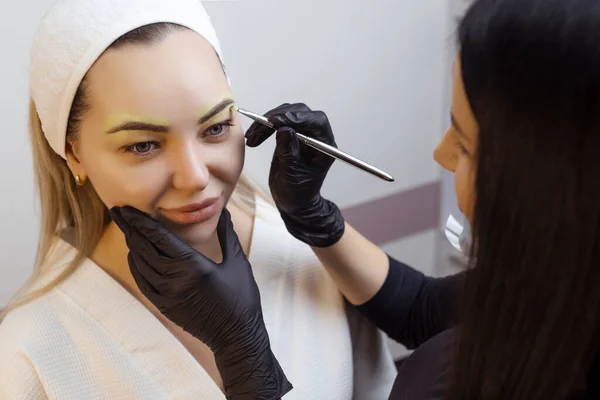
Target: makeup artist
523 145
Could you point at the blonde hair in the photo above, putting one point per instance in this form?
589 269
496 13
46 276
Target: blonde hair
77 211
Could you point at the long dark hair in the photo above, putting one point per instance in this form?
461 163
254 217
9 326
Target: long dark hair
531 310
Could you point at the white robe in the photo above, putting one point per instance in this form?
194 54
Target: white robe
89 338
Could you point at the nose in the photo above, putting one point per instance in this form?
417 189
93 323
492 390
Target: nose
190 172
445 154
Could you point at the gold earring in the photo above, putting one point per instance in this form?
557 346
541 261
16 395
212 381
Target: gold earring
78 180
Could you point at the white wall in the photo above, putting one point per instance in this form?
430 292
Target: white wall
377 68
18 237
378 72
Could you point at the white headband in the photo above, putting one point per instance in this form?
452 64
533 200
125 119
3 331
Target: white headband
74 33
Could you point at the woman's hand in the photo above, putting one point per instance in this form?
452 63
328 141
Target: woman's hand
216 303
357 266
298 172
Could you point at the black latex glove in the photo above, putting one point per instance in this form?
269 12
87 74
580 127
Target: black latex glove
298 171
216 303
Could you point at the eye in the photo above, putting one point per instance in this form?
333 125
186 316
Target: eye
142 149
459 144
218 130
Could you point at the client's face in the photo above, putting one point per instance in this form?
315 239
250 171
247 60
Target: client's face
456 150
160 134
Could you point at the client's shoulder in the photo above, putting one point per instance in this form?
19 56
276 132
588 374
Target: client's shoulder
26 336
276 253
270 234
26 325
41 307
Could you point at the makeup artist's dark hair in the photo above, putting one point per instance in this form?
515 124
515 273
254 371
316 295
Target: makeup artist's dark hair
531 310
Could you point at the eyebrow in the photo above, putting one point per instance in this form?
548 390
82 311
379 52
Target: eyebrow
159 128
456 126
138 126
215 110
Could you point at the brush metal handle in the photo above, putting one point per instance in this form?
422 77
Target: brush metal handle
344 157
325 148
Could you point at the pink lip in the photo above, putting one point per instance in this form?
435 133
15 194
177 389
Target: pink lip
195 212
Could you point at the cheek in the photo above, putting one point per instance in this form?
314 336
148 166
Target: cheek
227 159
464 185
119 184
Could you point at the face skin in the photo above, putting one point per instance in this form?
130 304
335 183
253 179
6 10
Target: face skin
456 150
173 84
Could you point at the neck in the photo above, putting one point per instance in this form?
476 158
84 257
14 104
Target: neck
114 262
111 252
210 248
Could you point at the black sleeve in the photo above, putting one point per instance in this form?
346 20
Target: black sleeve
411 307
425 374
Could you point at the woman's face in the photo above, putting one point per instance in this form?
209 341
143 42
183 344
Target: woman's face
160 134
456 150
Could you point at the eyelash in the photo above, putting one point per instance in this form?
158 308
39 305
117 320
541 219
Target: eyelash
463 150
132 147
226 125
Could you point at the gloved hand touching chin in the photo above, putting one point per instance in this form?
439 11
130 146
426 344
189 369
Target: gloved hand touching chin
216 303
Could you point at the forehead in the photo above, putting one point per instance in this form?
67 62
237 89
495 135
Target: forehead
161 78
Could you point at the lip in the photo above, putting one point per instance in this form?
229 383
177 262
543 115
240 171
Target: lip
194 213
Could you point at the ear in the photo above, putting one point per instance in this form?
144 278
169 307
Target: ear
74 163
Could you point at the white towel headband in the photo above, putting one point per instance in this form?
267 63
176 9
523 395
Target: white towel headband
74 33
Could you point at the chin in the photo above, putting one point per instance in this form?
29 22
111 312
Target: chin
198 233
197 226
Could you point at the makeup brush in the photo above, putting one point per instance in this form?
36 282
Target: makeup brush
322 147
